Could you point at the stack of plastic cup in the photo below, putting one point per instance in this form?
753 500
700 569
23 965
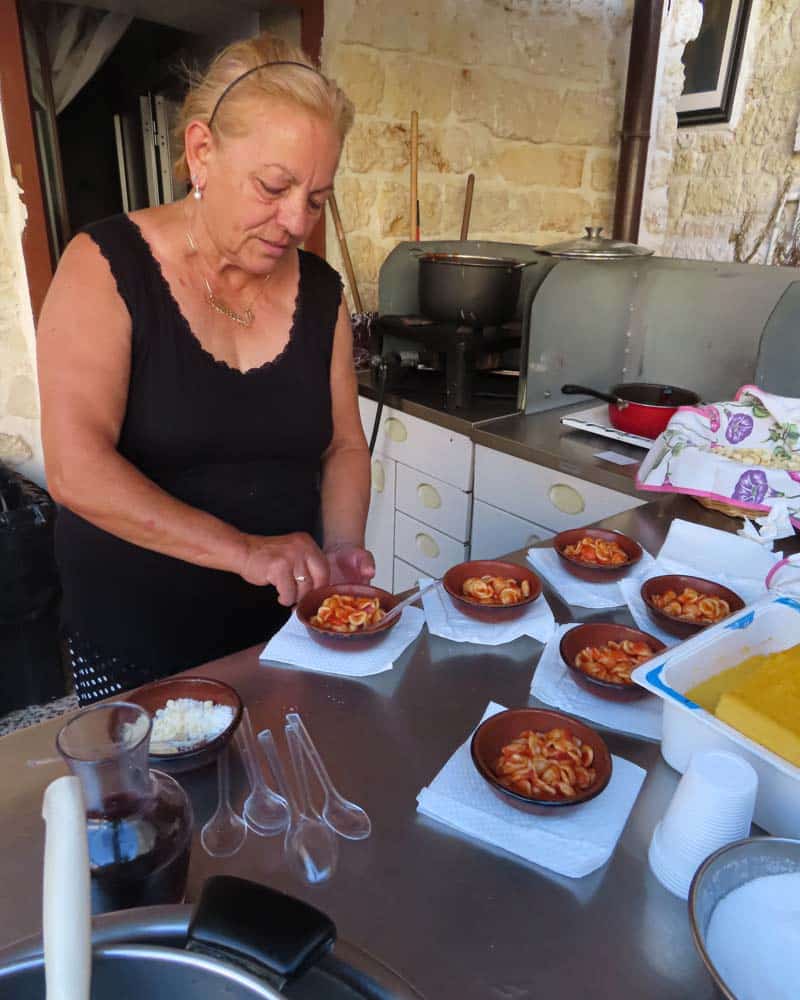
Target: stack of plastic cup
712 806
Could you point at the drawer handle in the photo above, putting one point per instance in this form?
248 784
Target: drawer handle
427 545
378 476
395 430
566 499
429 496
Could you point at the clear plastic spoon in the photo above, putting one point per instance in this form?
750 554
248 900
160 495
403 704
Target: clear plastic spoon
399 608
265 812
224 833
343 816
309 844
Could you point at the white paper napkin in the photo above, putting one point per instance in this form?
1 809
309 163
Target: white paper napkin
580 593
696 550
445 620
574 842
553 684
293 645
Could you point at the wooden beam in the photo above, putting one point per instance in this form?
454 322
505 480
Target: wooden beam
16 111
312 27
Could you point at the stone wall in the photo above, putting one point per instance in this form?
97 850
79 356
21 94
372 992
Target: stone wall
20 443
525 94
704 180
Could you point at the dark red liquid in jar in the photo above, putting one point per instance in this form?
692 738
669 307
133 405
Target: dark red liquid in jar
139 848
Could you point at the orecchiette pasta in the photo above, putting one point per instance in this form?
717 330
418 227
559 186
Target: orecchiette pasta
692 606
495 589
551 765
613 661
346 613
597 552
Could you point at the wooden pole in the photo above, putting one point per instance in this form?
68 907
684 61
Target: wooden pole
413 233
467 206
348 264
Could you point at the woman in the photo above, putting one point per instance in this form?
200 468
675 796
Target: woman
199 410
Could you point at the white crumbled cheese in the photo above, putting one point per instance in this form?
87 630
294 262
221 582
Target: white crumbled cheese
186 721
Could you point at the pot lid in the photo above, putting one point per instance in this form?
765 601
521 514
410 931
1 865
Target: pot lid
596 247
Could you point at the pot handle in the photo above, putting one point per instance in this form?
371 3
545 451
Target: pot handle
583 390
253 924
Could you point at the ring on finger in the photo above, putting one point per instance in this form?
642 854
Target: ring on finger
300 579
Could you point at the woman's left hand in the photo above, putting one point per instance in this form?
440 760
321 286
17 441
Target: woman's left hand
350 563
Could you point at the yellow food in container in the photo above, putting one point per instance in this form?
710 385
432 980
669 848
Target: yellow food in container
760 698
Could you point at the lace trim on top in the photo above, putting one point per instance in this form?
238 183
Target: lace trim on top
192 336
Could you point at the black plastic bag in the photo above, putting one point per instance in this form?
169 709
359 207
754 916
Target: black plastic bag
28 576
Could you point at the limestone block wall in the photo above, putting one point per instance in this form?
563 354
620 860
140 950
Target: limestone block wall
20 443
525 94
705 179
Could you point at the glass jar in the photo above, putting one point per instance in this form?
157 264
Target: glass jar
139 821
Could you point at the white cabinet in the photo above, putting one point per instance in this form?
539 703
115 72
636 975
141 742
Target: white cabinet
496 532
544 496
379 538
427 447
426 471
434 502
405 576
424 547
425 518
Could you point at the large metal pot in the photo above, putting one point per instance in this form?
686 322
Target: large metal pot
259 945
462 288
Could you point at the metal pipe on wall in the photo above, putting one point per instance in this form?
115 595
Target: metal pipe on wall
637 116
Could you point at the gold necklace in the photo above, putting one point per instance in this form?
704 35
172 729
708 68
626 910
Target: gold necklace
242 318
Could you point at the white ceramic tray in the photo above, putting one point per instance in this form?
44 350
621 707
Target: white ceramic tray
595 421
770 625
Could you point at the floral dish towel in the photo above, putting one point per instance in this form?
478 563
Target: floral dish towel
745 453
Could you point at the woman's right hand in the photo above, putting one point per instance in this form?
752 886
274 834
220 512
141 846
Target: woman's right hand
293 564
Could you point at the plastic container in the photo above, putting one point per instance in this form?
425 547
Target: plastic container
768 626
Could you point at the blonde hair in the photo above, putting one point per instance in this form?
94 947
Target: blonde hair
212 93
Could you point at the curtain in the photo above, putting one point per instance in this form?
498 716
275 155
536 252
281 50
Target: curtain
78 40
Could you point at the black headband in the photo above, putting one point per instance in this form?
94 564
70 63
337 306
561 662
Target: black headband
255 69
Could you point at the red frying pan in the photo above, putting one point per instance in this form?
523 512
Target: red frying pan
642 408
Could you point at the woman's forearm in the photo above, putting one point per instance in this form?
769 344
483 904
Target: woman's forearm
345 496
105 489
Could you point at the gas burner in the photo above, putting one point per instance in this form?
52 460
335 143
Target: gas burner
450 351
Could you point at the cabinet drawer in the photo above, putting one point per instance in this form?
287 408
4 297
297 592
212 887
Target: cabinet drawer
433 502
496 533
420 545
545 496
405 576
420 444
379 535
367 409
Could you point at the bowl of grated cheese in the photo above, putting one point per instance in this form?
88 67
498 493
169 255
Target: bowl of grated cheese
193 719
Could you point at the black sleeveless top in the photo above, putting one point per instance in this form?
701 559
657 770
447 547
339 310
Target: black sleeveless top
244 446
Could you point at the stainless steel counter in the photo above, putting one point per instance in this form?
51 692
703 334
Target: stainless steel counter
534 437
456 918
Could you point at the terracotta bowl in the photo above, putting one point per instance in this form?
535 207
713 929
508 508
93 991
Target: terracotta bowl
597 634
153 696
588 571
672 581
309 605
492 735
455 577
